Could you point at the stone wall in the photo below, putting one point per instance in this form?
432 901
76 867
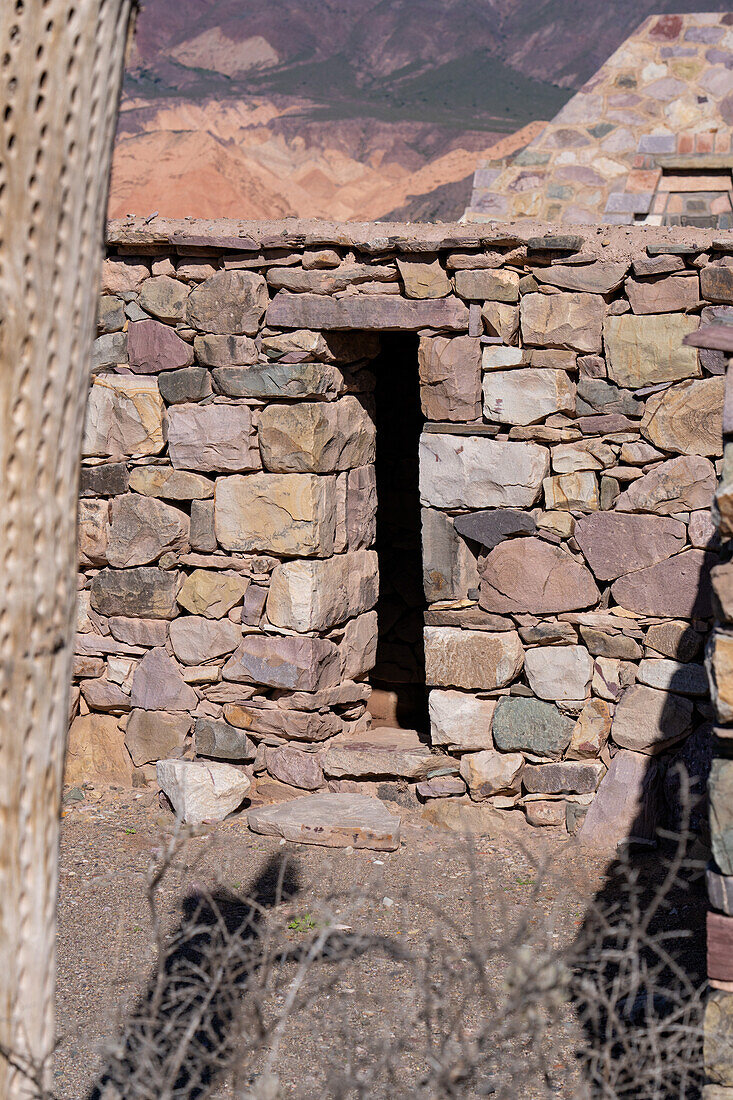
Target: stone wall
568 463
719 1008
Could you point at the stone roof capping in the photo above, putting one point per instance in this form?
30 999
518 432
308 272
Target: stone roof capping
192 236
228 580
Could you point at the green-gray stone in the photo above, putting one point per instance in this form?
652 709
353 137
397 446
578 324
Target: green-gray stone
179 387
530 157
530 725
279 380
601 129
597 395
560 242
216 738
141 592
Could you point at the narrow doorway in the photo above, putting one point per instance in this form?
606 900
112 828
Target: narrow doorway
400 694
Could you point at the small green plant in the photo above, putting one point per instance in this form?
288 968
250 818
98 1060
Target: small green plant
302 924
525 881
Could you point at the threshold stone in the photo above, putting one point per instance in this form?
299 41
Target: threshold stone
333 820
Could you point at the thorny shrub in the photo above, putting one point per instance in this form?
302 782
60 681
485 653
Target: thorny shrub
485 1009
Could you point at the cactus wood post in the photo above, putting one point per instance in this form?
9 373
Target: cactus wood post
60 70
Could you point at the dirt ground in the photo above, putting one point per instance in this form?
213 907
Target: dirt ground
106 953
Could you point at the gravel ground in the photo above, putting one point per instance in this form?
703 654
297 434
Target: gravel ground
106 952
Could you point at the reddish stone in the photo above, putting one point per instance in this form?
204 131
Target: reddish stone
640 180
443 786
153 347
294 766
530 575
605 423
159 685
720 947
542 814
627 804
450 377
704 143
673 294
597 278
667 28
365 311
615 543
676 588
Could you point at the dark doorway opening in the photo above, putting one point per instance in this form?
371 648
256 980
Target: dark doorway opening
400 695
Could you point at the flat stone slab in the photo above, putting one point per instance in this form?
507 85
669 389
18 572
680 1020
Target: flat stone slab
365 312
333 820
381 753
627 805
678 588
461 816
492 526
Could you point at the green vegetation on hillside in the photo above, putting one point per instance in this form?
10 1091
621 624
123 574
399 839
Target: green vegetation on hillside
476 92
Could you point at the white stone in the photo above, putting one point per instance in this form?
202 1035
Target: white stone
685 679
459 471
317 595
471 659
526 396
498 357
589 454
490 773
460 721
125 416
561 672
611 676
201 791
572 491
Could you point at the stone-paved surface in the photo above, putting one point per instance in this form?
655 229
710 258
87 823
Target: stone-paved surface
622 150
568 464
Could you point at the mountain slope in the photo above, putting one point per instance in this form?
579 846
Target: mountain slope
247 159
344 108
561 42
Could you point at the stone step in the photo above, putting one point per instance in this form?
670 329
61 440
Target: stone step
384 753
333 820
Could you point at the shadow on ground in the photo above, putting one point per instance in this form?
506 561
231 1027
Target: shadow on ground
179 1037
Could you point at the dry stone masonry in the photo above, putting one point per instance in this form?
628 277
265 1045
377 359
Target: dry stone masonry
719 1008
228 579
646 139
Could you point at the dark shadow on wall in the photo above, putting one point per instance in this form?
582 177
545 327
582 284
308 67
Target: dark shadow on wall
640 956
399 674
639 976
